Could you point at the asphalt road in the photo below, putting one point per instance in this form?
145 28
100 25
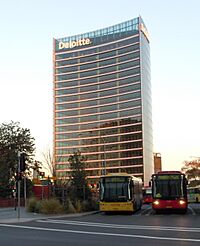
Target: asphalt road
141 228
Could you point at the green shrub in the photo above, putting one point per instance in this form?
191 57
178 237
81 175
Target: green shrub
32 204
51 206
38 206
69 207
78 206
93 205
85 206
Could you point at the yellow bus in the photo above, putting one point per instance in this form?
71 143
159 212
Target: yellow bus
120 192
194 194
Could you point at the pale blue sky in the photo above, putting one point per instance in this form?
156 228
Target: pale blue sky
27 30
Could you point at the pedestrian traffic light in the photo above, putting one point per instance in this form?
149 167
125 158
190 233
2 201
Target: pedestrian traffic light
18 176
42 174
14 192
22 162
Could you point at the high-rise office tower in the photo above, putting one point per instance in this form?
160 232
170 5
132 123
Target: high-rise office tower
102 101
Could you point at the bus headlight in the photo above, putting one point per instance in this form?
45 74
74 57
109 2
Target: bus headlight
156 202
182 202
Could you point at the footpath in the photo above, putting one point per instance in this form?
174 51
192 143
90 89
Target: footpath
10 215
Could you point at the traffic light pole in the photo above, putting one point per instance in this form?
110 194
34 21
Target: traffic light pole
18 186
25 191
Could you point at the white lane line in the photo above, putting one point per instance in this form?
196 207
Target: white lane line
192 210
137 227
102 234
147 211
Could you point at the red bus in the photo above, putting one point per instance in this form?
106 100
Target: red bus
147 194
169 191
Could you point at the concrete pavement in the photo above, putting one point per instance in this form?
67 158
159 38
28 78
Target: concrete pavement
10 215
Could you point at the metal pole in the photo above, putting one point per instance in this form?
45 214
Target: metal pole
18 189
25 191
15 194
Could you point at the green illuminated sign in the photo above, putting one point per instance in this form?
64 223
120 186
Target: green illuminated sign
115 179
168 177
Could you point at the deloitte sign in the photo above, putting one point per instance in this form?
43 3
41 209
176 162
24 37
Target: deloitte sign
72 44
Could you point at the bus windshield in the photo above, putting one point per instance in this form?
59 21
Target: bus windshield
168 187
114 189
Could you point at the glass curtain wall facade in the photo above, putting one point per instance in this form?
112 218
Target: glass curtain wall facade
102 101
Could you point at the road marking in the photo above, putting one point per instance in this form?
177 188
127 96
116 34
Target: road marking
136 227
102 233
192 210
147 211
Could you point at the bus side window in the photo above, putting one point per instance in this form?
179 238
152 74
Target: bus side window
131 188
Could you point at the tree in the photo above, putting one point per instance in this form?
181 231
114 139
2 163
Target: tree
78 179
192 171
13 139
35 166
47 162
